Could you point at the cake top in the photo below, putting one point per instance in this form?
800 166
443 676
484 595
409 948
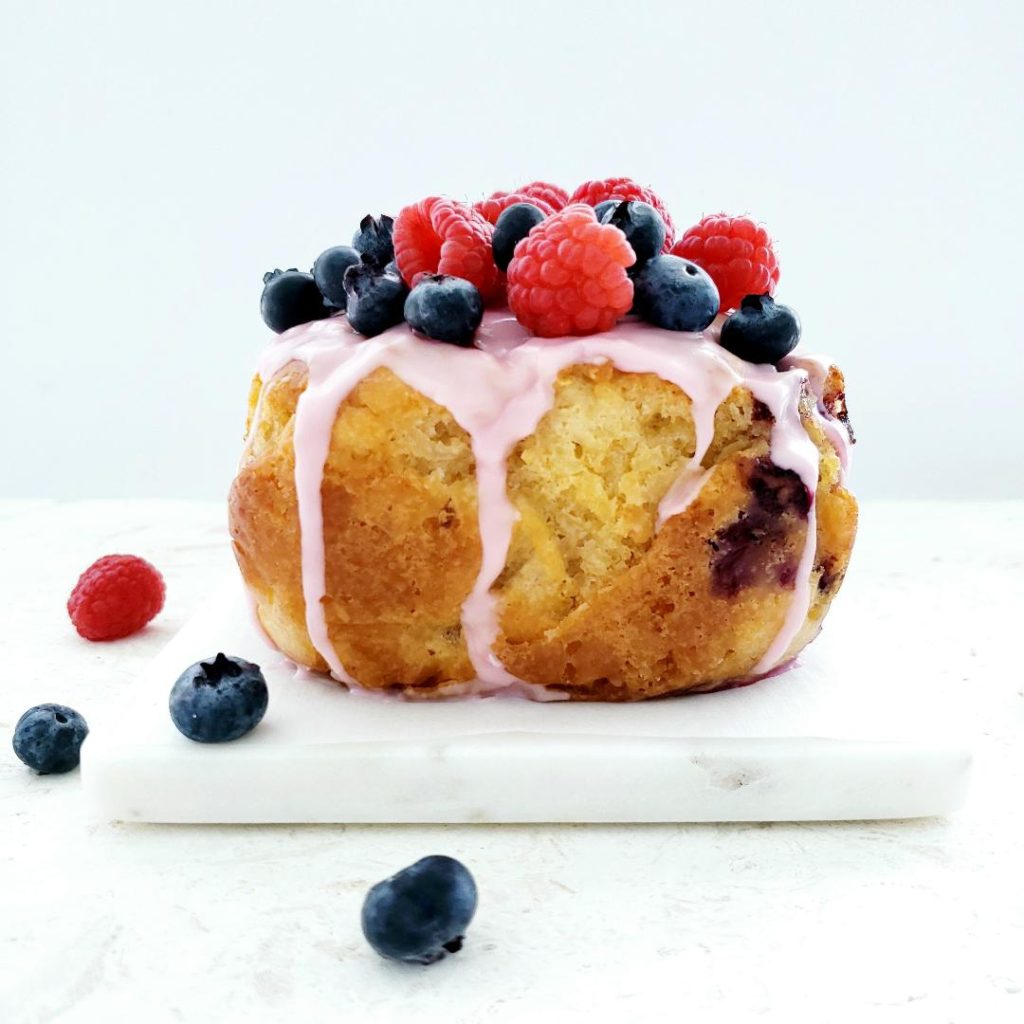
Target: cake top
565 265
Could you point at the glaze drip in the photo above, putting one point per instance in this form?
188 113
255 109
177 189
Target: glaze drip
817 368
498 393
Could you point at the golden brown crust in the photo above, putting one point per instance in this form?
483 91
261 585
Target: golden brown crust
263 519
593 599
400 537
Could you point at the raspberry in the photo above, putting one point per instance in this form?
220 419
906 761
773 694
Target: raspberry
568 276
115 597
494 205
594 192
557 198
546 197
736 253
439 236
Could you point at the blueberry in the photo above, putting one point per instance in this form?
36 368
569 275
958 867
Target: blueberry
49 738
218 699
602 208
675 294
329 273
514 224
373 239
761 331
376 298
445 308
290 298
643 227
421 914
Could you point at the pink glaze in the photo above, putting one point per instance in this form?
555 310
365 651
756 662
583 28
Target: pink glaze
498 392
682 493
791 448
817 367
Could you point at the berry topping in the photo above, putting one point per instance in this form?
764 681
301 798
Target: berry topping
641 224
568 265
373 239
514 224
439 236
761 330
329 274
492 208
569 275
421 914
290 298
218 699
115 597
544 192
736 252
675 294
375 298
594 192
445 309
48 738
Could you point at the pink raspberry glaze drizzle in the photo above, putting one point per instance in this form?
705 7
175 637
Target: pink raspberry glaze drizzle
498 393
817 368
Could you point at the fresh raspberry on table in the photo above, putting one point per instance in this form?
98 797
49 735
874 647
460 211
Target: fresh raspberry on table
440 236
736 252
493 206
557 198
115 597
594 192
568 276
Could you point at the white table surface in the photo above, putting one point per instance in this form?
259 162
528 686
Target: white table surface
909 921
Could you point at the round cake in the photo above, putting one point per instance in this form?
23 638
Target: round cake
614 516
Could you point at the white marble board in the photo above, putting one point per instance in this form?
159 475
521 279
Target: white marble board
835 738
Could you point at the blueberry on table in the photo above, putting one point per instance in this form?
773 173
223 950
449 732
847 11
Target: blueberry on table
48 738
676 294
375 298
421 914
373 239
290 298
445 308
761 330
513 225
329 273
641 224
218 699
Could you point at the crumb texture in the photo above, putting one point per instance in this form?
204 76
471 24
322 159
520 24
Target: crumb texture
593 599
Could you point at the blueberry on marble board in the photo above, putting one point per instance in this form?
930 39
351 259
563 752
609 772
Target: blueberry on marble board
290 298
445 308
48 738
218 699
375 298
761 330
675 294
421 914
329 273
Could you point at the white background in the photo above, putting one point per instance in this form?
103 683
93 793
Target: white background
157 158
